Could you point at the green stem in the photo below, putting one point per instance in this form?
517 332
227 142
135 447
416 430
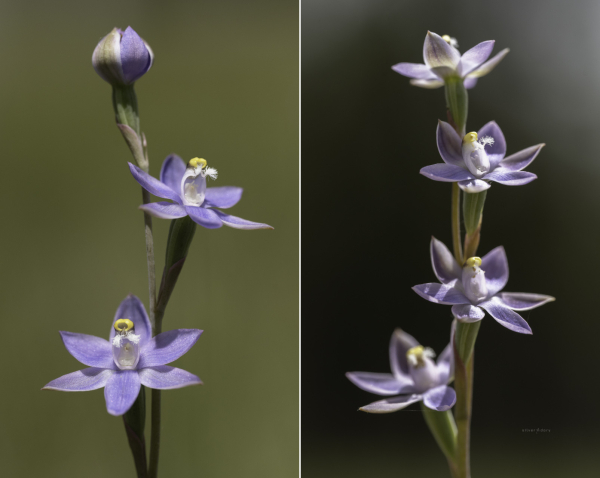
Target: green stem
473 215
134 421
443 429
456 242
457 101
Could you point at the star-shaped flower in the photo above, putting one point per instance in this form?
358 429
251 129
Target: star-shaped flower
415 377
443 60
476 288
130 358
186 186
479 158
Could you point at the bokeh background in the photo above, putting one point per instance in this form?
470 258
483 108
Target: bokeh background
224 86
369 215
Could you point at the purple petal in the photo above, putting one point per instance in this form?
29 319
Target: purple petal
497 150
121 390
449 144
440 398
475 57
81 381
167 347
510 178
436 52
205 217
441 293
391 404
171 172
445 364
239 223
467 313
474 185
428 84
223 197
522 159
495 266
505 316
132 308
379 383
164 210
470 82
489 65
89 350
445 267
135 57
166 378
446 172
153 185
523 300
415 70
400 343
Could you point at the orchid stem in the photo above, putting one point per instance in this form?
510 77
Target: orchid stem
458 255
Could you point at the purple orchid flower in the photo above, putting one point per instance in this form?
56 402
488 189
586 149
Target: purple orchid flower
415 376
443 60
186 186
130 358
122 57
476 288
479 158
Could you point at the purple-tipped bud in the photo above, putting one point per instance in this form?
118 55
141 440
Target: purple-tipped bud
122 57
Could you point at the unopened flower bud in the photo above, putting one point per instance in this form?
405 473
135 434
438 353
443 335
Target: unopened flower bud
122 57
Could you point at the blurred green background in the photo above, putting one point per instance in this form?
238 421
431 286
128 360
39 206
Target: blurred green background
224 86
370 132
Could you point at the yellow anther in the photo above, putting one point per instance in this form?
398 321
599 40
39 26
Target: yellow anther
470 137
416 351
195 162
474 262
447 38
123 325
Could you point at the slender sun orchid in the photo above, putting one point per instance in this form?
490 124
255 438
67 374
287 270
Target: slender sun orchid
130 358
443 60
477 287
186 186
479 158
415 376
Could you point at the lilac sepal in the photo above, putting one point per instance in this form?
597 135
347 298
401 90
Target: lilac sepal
400 343
440 398
502 170
412 380
223 197
164 210
443 60
523 301
121 390
494 267
239 223
505 316
121 383
89 350
164 377
168 347
391 404
153 185
448 294
135 56
379 383
445 267
522 159
84 380
205 217
473 185
467 313
171 172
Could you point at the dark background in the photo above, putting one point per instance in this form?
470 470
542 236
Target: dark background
369 215
224 86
